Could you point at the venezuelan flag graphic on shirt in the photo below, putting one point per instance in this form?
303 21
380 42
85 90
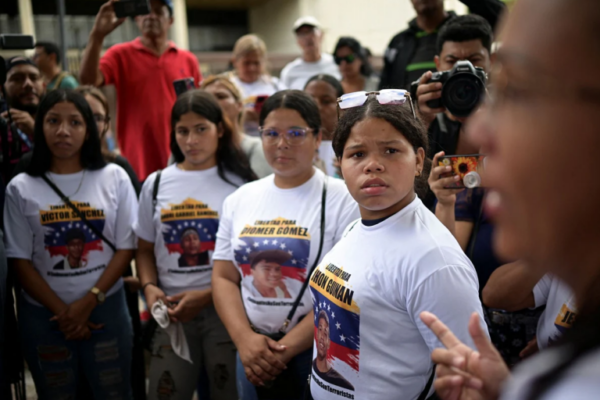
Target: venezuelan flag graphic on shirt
280 247
190 228
66 235
337 323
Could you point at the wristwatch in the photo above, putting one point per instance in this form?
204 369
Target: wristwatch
100 296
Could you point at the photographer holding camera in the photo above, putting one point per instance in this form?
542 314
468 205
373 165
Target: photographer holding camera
448 97
410 53
24 88
142 71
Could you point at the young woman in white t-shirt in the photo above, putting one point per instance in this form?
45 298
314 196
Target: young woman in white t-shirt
177 224
268 241
545 209
73 316
395 262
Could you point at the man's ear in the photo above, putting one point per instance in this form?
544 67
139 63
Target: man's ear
220 130
436 60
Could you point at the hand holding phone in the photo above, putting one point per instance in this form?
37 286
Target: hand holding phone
467 168
131 8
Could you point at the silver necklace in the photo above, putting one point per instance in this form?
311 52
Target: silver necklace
78 187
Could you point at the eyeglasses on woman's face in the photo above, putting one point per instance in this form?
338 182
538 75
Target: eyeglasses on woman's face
293 136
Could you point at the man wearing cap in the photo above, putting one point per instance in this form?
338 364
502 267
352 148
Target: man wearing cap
266 274
312 62
24 88
143 72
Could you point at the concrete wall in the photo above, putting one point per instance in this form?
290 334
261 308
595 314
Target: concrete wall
372 22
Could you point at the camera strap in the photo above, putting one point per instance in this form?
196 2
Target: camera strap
77 212
290 316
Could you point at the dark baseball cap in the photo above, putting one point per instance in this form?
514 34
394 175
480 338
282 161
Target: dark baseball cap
169 4
18 60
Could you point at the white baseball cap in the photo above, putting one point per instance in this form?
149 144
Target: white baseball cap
308 21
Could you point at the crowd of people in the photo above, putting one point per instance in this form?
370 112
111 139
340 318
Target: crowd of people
312 236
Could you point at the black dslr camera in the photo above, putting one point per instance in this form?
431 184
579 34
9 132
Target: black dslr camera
463 88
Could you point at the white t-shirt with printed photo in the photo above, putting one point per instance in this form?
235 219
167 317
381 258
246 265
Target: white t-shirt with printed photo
67 254
272 236
368 294
183 225
560 312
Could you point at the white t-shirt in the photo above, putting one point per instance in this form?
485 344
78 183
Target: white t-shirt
368 293
327 154
265 86
41 228
183 225
272 236
298 72
560 310
580 381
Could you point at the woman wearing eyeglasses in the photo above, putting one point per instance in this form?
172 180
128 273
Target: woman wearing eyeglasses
353 61
390 266
269 239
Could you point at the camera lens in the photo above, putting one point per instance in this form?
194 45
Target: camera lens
462 93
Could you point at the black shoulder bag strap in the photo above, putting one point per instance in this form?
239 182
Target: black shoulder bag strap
425 391
317 259
155 190
81 216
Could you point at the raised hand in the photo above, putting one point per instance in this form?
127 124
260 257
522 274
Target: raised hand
463 373
106 21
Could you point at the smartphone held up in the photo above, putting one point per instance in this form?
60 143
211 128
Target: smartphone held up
468 167
131 8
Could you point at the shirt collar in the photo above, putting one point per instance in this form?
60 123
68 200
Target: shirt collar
138 45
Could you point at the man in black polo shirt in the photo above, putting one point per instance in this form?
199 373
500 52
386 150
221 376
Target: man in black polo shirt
410 53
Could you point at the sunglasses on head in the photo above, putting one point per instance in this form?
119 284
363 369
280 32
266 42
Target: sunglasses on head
385 96
349 59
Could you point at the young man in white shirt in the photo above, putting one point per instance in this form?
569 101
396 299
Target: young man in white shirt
312 62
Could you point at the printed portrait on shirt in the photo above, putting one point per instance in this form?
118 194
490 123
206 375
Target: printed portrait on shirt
189 230
273 256
67 238
337 323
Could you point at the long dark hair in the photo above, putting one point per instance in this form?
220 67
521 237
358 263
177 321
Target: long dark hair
91 151
400 117
295 100
229 156
366 69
